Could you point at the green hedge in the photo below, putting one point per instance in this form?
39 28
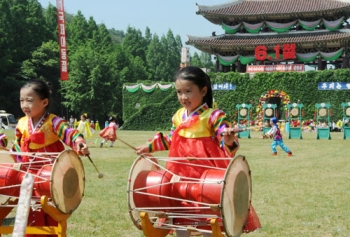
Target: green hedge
157 107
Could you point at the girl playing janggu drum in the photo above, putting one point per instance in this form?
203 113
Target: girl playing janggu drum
40 131
197 129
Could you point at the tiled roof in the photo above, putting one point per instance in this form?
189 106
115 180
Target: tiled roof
251 40
241 8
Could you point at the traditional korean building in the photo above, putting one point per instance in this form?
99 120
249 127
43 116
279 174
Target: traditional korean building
277 32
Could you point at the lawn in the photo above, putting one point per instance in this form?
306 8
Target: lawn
303 195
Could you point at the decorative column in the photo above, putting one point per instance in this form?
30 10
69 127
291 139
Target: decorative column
239 66
320 63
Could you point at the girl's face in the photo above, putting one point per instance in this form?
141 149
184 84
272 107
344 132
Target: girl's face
189 94
31 104
82 118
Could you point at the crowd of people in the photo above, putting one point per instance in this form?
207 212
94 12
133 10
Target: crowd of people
306 125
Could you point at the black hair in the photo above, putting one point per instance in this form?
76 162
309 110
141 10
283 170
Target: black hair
41 88
111 119
199 78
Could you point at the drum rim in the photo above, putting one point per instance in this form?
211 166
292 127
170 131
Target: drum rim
224 221
3 198
130 184
55 191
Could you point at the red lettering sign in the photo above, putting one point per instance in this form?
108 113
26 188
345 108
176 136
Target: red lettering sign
62 40
288 52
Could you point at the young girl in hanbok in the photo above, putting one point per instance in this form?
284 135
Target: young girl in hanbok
84 127
109 133
197 129
41 131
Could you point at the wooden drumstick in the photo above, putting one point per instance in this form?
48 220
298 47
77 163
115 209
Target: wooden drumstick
243 129
100 175
132 147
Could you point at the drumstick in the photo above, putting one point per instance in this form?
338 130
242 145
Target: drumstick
244 129
100 175
132 147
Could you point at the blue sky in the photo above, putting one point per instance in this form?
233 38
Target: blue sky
159 15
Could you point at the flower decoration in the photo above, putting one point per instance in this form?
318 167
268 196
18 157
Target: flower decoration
269 94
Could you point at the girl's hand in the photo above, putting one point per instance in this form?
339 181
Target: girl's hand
142 149
229 135
83 149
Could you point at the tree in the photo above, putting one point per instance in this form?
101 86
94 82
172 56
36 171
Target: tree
134 43
76 31
196 61
116 35
93 82
206 60
155 58
50 15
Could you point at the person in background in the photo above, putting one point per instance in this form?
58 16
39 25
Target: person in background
97 126
76 123
196 125
275 133
71 122
84 127
92 124
109 133
41 131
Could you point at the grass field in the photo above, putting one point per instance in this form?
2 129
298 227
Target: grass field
307 194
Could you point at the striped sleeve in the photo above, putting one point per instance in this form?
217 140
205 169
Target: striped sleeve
64 132
3 139
218 120
161 142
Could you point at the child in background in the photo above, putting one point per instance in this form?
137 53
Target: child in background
40 131
197 129
84 127
275 133
109 133
97 126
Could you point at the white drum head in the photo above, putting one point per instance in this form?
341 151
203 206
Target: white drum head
140 165
67 181
243 112
347 112
322 112
294 112
5 158
269 112
236 196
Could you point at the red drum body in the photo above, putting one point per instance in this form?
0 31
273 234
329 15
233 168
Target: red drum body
7 175
218 193
63 182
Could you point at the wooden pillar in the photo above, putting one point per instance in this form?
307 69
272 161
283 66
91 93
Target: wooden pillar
320 64
345 62
233 67
239 66
324 65
217 65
